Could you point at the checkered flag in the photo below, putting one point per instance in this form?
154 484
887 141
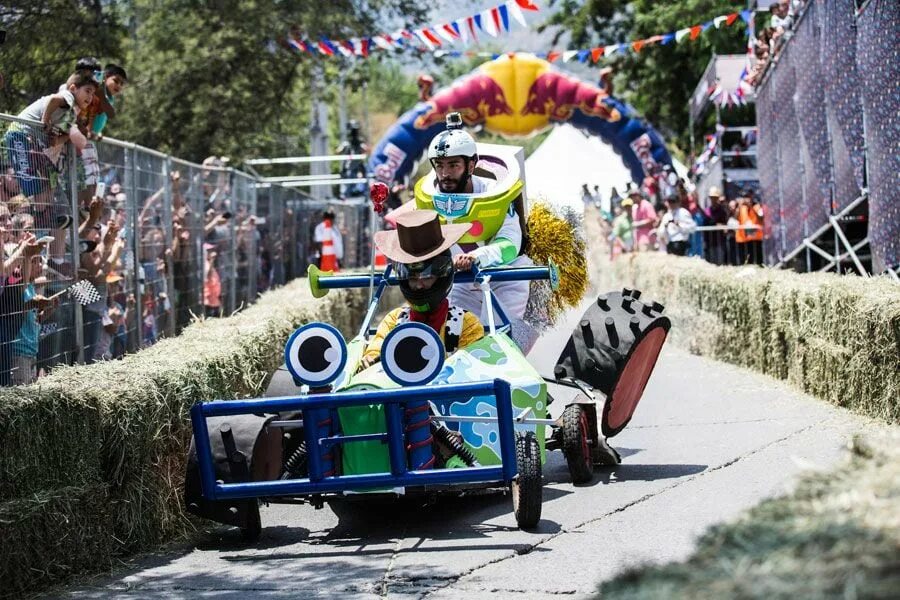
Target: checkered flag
84 292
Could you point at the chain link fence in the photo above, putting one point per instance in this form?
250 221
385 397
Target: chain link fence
828 128
171 241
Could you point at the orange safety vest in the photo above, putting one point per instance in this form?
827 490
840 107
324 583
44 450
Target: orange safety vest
748 216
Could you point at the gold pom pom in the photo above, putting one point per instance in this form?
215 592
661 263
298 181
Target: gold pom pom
556 234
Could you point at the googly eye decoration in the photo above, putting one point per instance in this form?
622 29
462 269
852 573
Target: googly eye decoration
315 354
412 354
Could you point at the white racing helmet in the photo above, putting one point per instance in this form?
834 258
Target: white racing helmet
455 141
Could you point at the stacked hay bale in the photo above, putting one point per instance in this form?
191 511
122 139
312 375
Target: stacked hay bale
835 337
94 455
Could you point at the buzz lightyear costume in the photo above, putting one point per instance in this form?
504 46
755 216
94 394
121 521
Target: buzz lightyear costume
495 210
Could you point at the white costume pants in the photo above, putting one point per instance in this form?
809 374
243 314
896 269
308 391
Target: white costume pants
512 295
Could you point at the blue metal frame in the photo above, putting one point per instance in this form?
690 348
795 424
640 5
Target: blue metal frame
334 282
317 405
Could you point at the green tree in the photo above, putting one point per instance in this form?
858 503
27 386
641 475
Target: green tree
44 40
210 81
658 80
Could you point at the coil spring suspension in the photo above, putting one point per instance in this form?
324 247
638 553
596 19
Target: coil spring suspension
295 465
443 435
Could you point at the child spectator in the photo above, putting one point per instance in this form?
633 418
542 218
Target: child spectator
93 120
37 308
30 153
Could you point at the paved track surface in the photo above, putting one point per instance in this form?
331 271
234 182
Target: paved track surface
707 441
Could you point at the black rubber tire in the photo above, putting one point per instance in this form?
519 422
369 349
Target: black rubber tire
576 434
253 528
527 488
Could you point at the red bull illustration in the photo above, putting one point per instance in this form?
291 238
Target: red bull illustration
476 98
520 95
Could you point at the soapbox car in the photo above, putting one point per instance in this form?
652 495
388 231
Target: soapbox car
418 423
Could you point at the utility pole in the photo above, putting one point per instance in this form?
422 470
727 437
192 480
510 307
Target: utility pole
318 135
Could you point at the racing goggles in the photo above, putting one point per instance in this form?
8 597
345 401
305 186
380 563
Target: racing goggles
439 266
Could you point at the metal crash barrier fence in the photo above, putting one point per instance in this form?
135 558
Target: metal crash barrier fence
187 240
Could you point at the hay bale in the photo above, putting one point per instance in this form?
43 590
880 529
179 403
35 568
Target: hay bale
835 337
123 427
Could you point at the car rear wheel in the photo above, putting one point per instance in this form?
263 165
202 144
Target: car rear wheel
576 445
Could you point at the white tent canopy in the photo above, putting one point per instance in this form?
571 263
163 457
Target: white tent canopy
569 158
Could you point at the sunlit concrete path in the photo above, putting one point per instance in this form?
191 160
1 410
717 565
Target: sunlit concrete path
707 441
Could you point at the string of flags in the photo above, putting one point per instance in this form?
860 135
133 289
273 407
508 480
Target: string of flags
736 97
492 21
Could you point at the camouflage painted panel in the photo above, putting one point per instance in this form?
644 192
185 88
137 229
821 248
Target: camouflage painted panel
493 357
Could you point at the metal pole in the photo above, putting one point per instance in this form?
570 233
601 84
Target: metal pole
232 285
73 240
253 251
168 230
135 334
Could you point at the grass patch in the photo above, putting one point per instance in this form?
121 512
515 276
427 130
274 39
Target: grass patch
94 455
836 536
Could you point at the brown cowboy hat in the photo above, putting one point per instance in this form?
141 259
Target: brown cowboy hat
418 237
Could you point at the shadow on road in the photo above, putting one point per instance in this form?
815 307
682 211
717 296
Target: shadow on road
629 472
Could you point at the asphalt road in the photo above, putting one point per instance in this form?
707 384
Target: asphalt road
707 441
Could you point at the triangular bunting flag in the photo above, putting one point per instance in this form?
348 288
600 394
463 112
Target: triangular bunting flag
610 50
527 4
446 32
583 55
596 53
504 16
345 48
471 22
637 45
429 35
681 34
667 38
486 21
569 55
364 48
719 20
747 16
461 30
420 33
695 31
383 42
516 13
552 55
326 47
731 18
495 17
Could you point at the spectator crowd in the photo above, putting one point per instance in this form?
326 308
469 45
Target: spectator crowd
125 259
663 214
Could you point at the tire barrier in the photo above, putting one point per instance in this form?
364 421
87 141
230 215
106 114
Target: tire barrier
519 95
614 349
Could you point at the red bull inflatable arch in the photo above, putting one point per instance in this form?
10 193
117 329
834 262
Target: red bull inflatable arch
519 95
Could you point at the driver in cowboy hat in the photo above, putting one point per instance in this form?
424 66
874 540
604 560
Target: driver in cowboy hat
419 250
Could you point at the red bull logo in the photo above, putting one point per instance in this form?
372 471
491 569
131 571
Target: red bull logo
642 147
476 98
557 96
